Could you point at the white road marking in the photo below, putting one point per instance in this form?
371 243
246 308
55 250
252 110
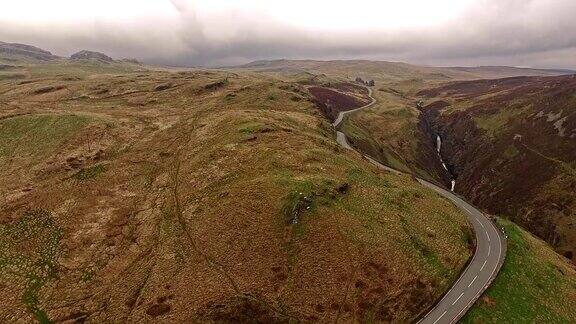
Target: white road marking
436 321
472 281
499 253
479 222
483 265
488 250
457 299
488 236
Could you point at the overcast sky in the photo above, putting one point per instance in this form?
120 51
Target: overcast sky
536 33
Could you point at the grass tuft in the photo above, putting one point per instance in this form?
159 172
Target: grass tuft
89 173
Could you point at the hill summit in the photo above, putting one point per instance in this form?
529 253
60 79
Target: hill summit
28 51
87 55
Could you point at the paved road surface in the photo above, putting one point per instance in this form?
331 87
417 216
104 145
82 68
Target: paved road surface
487 259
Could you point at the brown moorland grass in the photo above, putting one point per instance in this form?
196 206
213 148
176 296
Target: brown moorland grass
217 198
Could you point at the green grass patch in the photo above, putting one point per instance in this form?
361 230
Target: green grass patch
496 122
356 133
361 138
87 275
35 136
400 113
306 195
254 127
534 286
89 173
29 250
426 253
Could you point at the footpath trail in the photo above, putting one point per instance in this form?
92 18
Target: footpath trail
488 257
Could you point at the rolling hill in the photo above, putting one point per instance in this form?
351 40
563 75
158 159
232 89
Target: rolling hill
395 71
136 193
132 195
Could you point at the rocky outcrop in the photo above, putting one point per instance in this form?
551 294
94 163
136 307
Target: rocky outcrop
89 55
26 51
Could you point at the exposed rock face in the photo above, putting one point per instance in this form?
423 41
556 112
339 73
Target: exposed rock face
512 145
14 49
429 157
89 55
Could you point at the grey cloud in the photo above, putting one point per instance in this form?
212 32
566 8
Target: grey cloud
539 33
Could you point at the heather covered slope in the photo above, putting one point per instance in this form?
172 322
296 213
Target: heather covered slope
512 145
204 195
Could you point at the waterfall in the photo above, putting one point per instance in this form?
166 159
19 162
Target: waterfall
438 147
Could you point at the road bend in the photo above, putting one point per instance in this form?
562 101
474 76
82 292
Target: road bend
488 256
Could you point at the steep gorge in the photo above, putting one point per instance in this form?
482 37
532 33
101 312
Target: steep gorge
511 144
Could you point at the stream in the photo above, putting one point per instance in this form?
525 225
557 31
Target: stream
438 147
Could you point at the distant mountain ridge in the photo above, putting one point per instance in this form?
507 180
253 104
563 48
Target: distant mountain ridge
400 69
521 71
397 69
17 51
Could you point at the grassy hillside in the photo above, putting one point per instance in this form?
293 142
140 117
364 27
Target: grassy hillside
522 131
535 285
204 195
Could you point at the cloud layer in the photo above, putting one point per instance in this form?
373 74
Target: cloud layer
537 33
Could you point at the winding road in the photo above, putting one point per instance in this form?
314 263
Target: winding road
486 262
